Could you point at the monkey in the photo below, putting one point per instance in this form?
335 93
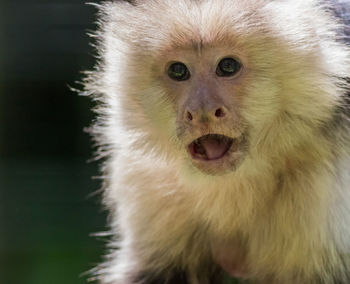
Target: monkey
223 129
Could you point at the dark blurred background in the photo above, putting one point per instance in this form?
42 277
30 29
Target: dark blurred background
46 216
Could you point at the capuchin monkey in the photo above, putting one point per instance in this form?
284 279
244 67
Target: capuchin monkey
224 129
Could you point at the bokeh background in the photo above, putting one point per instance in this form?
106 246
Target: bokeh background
46 214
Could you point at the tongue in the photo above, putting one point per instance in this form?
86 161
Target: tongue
214 148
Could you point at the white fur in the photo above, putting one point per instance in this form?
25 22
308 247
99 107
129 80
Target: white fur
289 201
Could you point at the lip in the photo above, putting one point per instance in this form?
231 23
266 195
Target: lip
221 142
225 161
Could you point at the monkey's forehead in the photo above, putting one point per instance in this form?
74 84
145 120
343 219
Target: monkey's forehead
160 24
184 23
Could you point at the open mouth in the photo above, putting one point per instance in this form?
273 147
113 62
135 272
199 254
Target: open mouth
210 147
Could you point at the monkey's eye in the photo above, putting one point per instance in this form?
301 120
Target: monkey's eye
178 71
228 67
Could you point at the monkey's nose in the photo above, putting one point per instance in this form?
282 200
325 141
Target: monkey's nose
204 115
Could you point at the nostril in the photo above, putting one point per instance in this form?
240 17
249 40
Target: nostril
219 112
189 116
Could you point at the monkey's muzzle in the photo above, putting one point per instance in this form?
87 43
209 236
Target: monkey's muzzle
210 147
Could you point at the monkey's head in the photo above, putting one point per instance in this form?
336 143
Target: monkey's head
215 84
205 87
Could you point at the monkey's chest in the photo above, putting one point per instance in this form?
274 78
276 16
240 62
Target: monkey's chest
232 259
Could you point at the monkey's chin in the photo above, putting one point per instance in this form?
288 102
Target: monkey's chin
216 154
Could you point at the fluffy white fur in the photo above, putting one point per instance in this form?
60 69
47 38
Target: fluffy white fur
285 211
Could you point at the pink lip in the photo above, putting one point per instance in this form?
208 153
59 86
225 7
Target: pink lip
210 147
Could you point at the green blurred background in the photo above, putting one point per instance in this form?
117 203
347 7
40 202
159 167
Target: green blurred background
46 214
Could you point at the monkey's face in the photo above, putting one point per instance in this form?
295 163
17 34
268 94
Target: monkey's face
205 86
220 85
